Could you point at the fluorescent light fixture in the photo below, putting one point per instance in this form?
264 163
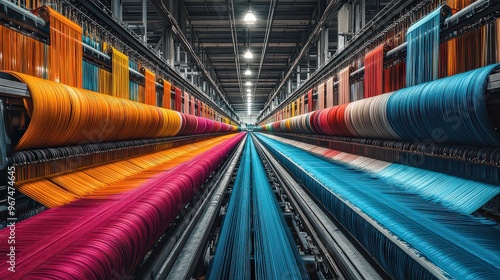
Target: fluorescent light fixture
248 54
248 72
248 84
249 95
249 18
249 90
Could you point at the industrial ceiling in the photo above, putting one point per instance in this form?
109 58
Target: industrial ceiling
219 35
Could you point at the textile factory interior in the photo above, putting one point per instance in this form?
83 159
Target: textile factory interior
250 139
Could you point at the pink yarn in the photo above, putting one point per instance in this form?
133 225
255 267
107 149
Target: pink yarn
101 238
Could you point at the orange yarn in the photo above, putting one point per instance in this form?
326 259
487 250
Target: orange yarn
167 94
150 87
64 115
66 53
112 178
21 53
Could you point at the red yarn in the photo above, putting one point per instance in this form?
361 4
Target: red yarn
374 67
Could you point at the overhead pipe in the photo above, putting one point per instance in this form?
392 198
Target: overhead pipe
234 35
24 12
269 26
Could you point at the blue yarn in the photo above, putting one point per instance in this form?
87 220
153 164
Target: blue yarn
232 255
90 76
461 195
463 246
449 110
90 71
134 88
274 250
423 49
275 254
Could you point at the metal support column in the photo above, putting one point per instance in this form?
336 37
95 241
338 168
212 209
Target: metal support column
319 52
116 7
298 76
324 35
145 20
178 55
167 38
308 66
289 86
344 24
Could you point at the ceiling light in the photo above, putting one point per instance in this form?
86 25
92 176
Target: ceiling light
248 54
248 72
248 84
250 18
249 95
249 90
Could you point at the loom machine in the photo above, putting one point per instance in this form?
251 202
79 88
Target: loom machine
190 222
430 128
94 145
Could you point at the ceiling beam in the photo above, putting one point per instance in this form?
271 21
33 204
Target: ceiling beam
269 27
330 11
234 35
169 18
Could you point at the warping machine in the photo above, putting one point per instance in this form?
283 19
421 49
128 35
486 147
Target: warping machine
398 138
62 143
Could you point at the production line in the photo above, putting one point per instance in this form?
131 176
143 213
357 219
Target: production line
127 150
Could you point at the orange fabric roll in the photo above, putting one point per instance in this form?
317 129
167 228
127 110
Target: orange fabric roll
64 115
